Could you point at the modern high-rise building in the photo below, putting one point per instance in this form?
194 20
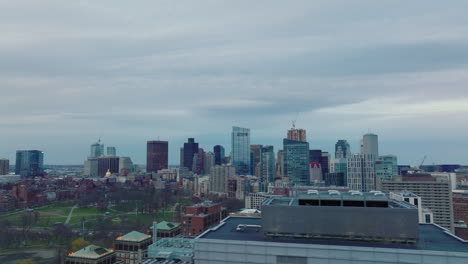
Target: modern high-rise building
190 149
219 176
386 167
280 164
157 155
198 162
370 145
342 149
323 158
361 172
218 151
107 164
4 166
435 193
255 159
182 157
111 151
240 147
296 161
209 162
29 163
341 166
330 227
267 165
91 167
297 134
125 166
97 150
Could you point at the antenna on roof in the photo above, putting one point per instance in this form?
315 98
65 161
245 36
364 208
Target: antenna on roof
294 121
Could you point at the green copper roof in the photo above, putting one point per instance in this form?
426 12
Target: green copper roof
134 236
91 252
167 225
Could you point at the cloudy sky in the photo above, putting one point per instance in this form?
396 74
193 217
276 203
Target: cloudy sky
132 71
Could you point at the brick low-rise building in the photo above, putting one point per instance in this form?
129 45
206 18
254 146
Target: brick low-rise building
167 229
199 217
460 213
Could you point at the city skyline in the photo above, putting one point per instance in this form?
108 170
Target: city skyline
130 73
174 150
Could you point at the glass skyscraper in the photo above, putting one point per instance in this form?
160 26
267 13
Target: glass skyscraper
190 149
240 143
386 167
29 163
267 170
342 149
218 151
296 161
97 150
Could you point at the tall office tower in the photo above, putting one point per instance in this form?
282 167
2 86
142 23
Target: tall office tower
341 166
209 162
106 164
280 164
157 155
342 149
91 167
218 151
325 163
370 145
198 162
361 172
125 166
316 174
296 161
255 158
190 149
435 193
4 166
240 142
29 163
181 157
267 165
219 176
297 134
111 151
386 167
97 150
323 158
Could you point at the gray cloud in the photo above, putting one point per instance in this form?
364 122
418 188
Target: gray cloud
130 72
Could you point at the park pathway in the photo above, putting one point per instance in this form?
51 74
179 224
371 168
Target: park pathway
70 214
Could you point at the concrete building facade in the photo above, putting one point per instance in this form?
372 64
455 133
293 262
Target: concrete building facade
361 172
435 193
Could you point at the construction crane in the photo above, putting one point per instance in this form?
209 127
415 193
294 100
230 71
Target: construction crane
294 121
422 162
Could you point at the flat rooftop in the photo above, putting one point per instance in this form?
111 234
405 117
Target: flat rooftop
336 198
431 237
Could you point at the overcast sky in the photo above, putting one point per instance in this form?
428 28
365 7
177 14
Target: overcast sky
132 71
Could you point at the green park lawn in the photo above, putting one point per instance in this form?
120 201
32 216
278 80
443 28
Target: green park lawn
50 215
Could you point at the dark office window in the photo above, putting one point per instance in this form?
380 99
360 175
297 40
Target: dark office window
309 202
353 203
428 218
330 203
290 260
